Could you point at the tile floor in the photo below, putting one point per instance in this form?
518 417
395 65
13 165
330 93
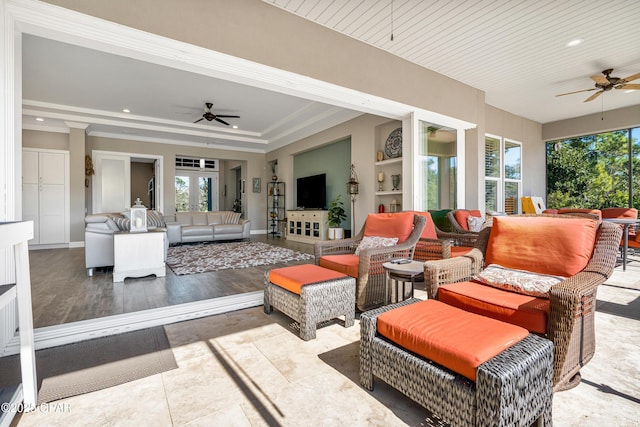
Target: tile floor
249 369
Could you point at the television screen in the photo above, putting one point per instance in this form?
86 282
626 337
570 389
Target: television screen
312 192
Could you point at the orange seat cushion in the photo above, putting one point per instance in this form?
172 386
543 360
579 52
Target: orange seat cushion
295 277
547 245
346 264
526 311
619 213
454 338
398 225
429 231
461 216
459 251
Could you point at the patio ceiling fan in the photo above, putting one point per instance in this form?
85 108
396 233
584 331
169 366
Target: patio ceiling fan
209 115
606 82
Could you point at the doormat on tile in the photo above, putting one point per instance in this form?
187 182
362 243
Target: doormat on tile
203 257
96 364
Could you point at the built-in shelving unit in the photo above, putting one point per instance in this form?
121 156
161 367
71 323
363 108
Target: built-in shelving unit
276 219
390 199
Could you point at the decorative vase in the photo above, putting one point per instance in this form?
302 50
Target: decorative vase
380 156
380 208
395 180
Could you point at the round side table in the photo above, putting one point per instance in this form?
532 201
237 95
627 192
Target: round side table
410 272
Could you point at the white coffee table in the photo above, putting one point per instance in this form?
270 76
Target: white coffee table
138 254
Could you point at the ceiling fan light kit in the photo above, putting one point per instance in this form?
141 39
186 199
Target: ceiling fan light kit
209 115
606 82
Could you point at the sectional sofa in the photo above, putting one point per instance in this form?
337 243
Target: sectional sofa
187 227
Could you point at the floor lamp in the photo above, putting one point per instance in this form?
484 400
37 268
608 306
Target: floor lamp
352 187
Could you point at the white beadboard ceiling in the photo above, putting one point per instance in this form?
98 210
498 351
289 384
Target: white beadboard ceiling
513 50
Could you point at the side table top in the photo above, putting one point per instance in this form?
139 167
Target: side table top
413 267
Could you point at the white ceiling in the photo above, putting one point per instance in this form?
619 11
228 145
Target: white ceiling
513 50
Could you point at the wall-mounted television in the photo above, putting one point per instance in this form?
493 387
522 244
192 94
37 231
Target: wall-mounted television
312 192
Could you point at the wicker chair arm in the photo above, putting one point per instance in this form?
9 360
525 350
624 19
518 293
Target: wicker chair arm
438 273
335 247
432 249
459 239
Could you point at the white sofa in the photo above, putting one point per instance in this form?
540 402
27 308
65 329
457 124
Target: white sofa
98 238
187 227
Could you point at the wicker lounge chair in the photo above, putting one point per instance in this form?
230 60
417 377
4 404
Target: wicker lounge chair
437 244
367 267
571 304
458 219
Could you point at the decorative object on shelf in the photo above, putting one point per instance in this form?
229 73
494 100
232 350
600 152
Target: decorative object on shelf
394 206
380 181
380 156
380 208
352 187
393 146
335 216
138 217
257 185
395 180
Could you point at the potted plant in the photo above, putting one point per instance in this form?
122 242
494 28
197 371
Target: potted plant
335 216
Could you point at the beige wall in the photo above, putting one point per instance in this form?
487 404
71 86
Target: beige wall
529 133
48 140
622 118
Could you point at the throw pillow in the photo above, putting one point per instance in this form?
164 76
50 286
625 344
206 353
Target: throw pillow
155 219
231 217
369 242
124 224
475 223
519 281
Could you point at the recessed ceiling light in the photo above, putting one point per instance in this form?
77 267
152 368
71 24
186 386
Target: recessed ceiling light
575 42
39 119
126 110
235 126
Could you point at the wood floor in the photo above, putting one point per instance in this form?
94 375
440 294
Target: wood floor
62 292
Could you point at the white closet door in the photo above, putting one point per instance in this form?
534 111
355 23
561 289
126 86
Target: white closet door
112 182
30 192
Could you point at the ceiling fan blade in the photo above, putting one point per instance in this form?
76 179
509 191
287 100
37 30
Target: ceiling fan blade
594 96
221 121
634 86
600 79
200 119
633 77
222 115
578 91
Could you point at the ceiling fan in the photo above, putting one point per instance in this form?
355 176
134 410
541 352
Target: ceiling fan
209 116
606 82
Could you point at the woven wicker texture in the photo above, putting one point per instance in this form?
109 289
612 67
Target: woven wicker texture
570 324
316 303
371 283
514 388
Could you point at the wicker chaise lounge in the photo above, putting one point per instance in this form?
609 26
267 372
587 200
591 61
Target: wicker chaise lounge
566 317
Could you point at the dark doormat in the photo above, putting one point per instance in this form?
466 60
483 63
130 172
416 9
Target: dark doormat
92 365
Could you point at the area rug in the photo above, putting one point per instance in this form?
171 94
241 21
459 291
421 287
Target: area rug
96 364
203 257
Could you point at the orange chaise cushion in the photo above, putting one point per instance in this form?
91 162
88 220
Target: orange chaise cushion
454 338
523 310
346 264
547 245
398 225
462 215
295 277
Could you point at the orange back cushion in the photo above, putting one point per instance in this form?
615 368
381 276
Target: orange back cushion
547 245
620 213
429 231
597 212
397 225
462 215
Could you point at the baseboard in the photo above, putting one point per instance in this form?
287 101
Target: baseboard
258 232
53 336
79 244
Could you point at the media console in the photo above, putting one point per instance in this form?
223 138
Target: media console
307 226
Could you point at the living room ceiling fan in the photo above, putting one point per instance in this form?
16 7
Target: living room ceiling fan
606 82
209 115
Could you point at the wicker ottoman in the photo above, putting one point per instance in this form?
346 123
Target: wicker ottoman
310 294
513 388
